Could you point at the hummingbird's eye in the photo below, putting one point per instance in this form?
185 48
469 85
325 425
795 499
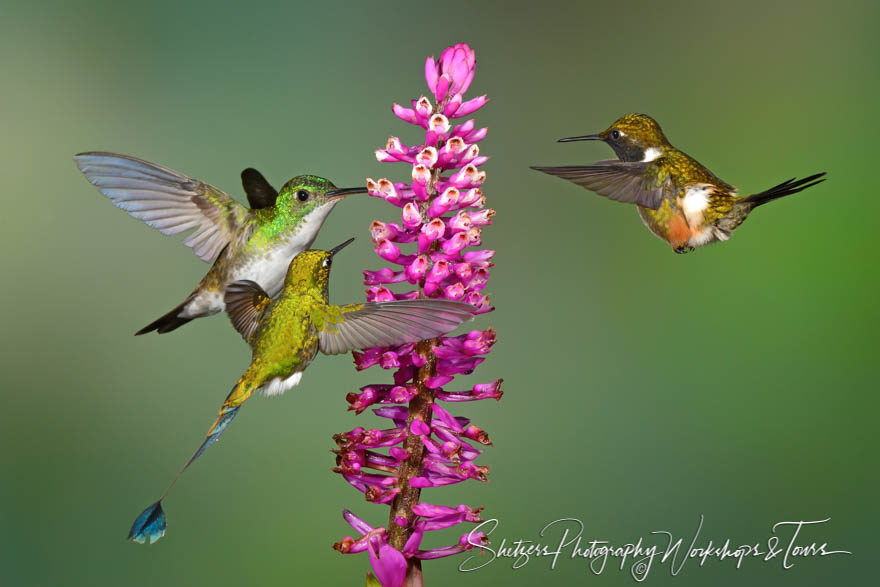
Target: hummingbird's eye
302 195
615 134
326 263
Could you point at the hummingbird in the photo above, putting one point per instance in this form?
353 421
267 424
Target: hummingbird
678 199
240 243
286 334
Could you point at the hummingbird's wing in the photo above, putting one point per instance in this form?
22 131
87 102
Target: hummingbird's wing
245 303
260 193
618 180
361 326
166 200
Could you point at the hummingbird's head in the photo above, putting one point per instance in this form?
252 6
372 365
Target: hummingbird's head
311 269
304 193
634 137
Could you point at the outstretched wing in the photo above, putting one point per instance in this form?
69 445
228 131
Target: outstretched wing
618 180
361 326
245 302
166 200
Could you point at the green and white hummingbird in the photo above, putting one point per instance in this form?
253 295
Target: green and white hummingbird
286 334
678 199
255 244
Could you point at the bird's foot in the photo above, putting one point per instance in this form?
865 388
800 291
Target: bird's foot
683 250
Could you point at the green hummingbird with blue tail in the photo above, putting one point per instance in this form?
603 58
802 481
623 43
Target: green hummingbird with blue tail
678 198
240 243
286 334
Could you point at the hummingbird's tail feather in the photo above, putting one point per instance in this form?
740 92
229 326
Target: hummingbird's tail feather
150 524
786 188
166 323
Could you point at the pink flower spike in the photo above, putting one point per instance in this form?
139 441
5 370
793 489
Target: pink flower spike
442 212
388 564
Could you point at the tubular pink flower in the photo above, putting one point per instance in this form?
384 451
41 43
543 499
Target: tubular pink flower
433 245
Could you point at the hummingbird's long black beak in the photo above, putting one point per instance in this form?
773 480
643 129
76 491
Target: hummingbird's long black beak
341 193
583 138
338 248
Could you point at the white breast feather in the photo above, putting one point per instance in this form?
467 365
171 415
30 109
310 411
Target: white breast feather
269 269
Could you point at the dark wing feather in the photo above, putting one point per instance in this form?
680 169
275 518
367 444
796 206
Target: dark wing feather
362 326
260 193
245 302
618 180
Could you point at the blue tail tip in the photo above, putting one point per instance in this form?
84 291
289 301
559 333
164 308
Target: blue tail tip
150 525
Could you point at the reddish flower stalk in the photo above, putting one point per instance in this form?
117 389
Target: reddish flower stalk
442 215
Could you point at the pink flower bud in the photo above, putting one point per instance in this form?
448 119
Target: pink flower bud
417 269
455 244
387 250
470 106
405 114
427 157
454 291
439 271
460 222
418 428
412 218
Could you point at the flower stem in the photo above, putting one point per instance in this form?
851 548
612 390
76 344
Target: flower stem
419 408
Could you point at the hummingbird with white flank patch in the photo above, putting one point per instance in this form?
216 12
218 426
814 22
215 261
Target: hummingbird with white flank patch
678 199
241 243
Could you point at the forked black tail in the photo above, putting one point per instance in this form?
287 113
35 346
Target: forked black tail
166 323
787 188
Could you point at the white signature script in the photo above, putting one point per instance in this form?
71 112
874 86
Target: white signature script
786 546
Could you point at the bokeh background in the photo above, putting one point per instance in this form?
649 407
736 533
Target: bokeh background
643 388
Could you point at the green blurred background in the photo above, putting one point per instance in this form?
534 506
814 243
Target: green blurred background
643 388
